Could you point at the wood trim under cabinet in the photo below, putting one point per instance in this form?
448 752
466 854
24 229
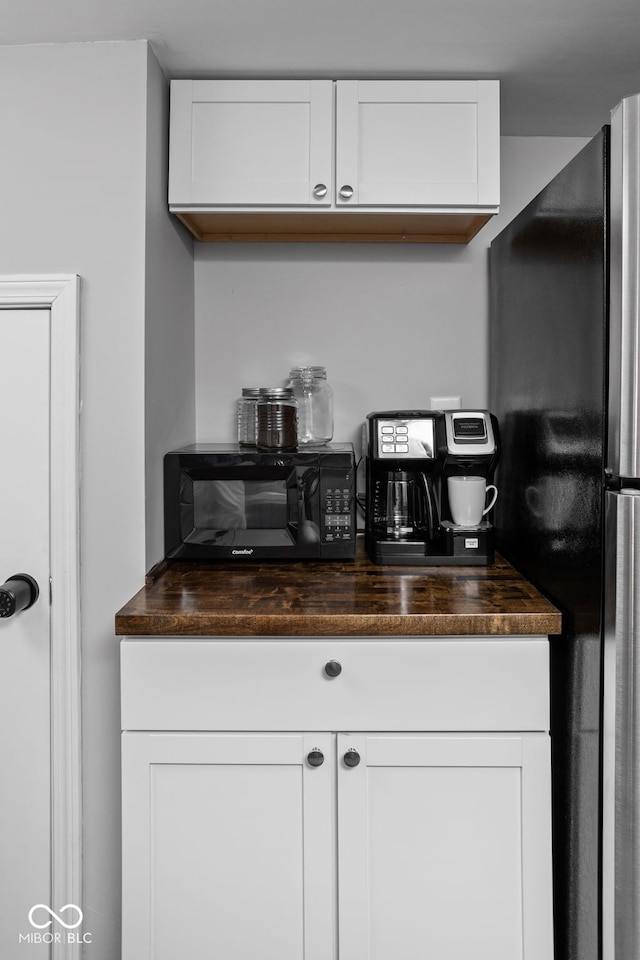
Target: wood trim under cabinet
319 227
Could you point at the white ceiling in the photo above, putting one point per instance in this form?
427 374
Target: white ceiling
563 63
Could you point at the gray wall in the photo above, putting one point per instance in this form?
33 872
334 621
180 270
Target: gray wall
169 374
393 324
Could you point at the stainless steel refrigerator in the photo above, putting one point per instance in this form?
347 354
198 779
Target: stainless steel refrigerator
565 386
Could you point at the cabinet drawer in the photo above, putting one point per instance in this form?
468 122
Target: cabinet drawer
453 684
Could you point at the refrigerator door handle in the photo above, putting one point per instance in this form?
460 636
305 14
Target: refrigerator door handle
621 729
623 455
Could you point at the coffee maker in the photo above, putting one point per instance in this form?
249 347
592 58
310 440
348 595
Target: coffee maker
410 456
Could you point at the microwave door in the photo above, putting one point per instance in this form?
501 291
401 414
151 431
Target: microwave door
269 511
308 530
243 513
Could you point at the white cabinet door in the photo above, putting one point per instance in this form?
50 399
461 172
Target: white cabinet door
228 847
444 847
251 142
417 143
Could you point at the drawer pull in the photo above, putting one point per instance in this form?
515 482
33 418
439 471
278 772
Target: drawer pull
333 668
315 758
352 758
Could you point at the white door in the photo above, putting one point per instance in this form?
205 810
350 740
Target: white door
444 847
227 846
25 730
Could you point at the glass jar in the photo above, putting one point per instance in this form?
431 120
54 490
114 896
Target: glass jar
315 404
277 419
247 420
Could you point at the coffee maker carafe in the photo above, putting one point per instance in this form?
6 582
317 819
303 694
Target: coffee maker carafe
405 505
410 456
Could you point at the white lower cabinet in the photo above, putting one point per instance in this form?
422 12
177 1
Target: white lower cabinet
333 845
228 847
443 847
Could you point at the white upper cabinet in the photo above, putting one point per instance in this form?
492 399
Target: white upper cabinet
418 143
250 142
410 160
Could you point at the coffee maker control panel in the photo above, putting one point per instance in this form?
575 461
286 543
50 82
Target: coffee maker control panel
469 432
397 438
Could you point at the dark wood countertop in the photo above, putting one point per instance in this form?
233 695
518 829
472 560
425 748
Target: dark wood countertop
342 598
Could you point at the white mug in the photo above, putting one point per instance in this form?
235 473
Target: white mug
467 497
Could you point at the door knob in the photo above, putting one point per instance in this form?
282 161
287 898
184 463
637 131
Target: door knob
352 758
346 192
18 593
320 191
315 758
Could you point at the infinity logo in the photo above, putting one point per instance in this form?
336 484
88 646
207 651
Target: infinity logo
55 916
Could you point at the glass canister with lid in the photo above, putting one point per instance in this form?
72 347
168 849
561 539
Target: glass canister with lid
315 404
247 420
277 419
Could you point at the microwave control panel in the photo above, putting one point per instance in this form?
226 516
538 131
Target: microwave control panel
337 504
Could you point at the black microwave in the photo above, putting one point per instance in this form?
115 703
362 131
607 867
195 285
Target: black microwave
226 502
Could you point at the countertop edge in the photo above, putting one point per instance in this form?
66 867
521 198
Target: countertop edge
498 624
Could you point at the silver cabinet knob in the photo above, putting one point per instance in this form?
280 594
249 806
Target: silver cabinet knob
320 191
351 758
333 668
346 192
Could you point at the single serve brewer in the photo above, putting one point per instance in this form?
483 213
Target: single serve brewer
428 476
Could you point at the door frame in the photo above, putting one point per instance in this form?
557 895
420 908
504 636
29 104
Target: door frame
60 294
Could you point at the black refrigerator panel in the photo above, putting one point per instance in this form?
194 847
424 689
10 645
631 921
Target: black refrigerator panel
548 335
